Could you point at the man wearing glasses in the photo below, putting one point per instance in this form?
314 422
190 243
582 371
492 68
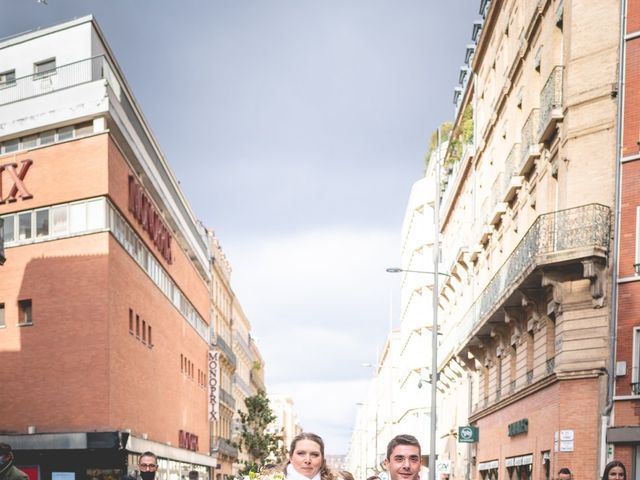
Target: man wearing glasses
148 465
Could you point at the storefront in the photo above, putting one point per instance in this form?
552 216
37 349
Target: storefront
101 456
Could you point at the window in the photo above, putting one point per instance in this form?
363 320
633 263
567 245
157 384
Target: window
29 142
77 217
2 324
84 129
65 133
144 331
25 312
9 228
24 226
42 223
96 214
7 79
138 326
131 321
11 146
47 137
44 68
59 220
635 373
149 336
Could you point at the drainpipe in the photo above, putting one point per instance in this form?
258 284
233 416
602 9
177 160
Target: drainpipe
611 380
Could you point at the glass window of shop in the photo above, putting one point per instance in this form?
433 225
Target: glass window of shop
489 470
519 468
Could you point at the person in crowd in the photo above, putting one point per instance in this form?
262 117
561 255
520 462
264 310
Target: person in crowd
306 460
565 474
148 466
373 477
615 470
346 475
7 470
403 458
193 475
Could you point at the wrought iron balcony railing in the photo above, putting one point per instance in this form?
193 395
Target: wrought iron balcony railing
551 102
65 76
635 388
529 139
223 446
529 379
551 365
511 180
227 398
226 350
575 229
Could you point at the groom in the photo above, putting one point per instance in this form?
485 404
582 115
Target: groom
403 458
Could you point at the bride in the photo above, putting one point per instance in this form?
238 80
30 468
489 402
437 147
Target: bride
306 459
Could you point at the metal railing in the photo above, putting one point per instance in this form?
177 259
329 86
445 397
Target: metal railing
226 349
243 344
227 398
635 388
550 97
510 166
551 365
223 446
65 76
529 137
580 227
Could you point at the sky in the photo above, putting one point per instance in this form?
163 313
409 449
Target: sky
296 129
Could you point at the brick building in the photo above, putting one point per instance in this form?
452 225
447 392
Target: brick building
624 430
104 297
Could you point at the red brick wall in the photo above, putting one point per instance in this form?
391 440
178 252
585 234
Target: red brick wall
78 368
633 16
631 134
181 270
548 411
55 373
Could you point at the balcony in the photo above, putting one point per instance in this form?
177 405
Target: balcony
635 388
243 345
512 181
496 207
566 237
222 446
551 110
227 399
224 348
530 145
63 77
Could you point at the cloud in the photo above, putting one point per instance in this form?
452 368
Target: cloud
319 304
326 408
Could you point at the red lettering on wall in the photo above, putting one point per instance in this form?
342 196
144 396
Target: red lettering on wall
149 218
18 189
187 440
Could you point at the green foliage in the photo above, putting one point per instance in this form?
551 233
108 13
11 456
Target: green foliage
445 133
263 447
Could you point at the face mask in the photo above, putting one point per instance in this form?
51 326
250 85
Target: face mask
147 475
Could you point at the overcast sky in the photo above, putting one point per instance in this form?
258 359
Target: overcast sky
296 129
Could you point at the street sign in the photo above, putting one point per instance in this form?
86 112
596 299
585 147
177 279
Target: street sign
468 434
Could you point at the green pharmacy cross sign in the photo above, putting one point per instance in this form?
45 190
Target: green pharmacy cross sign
468 434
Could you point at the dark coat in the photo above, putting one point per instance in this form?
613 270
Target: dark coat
9 472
